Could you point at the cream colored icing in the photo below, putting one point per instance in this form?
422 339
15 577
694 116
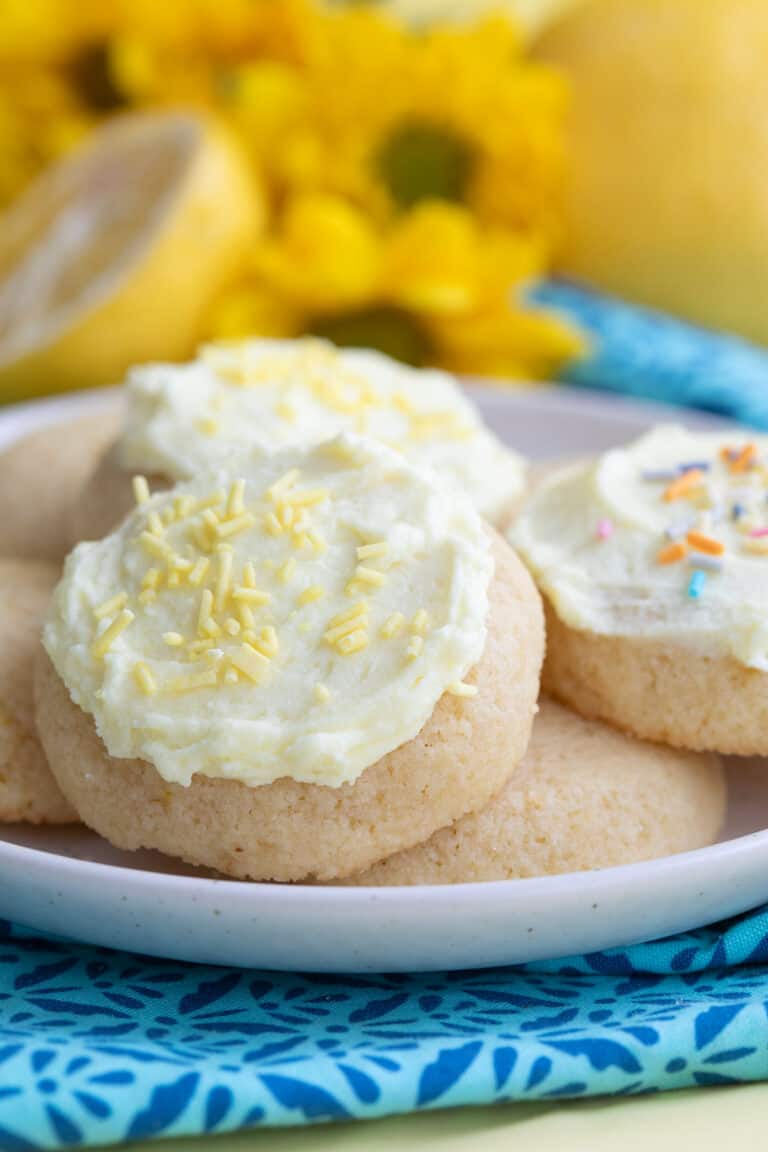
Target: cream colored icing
252 670
593 536
182 418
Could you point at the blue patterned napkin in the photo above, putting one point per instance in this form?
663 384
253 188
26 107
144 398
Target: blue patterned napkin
639 352
99 1046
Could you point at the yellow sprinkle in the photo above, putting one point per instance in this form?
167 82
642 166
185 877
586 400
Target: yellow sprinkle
224 576
199 571
205 502
173 639
211 628
148 596
169 515
285 515
401 402
287 570
415 646
300 540
155 546
459 688
316 540
265 642
156 525
251 596
182 506
370 575
250 662
420 622
249 575
272 525
208 425
392 625
141 491
369 551
104 642
307 498
283 484
353 642
151 578
198 534
211 519
346 628
206 607
233 527
174 579
110 606
309 595
182 565
189 683
231 676
758 545
321 694
245 615
349 614
231 626
143 678
236 501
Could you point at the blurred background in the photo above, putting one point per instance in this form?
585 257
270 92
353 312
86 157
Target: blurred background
528 190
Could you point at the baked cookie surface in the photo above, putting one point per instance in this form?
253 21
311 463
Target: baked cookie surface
583 797
28 791
41 477
277 394
653 561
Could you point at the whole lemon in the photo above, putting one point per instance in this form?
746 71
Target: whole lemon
669 197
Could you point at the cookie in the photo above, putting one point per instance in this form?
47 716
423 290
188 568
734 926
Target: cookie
653 563
274 394
584 796
41 476
311 742
27 788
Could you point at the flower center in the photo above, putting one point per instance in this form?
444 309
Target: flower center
388 330
422 161
92 78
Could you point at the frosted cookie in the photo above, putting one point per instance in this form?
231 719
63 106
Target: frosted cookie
41 476
275 394
585 796
27 788
653 561
295 672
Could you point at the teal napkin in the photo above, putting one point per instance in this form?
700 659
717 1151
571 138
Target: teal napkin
639 352
99 1046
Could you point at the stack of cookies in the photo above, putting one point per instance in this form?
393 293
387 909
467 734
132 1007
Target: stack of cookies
295 641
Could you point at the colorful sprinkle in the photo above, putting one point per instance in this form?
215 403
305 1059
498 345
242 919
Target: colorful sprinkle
702 543
696 584
703 560
604 529
683 486
757 532
672 553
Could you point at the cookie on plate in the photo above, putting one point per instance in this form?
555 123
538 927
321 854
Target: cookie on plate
585 796
293 670
40 478
28 791
653 562
274 394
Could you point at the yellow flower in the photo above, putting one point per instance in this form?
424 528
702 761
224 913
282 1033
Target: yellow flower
415 177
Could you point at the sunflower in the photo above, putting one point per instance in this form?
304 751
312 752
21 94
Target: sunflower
414 176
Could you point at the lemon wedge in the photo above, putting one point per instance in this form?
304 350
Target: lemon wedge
114 255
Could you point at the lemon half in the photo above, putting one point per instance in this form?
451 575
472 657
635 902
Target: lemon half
114 256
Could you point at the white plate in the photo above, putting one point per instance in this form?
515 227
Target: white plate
68 881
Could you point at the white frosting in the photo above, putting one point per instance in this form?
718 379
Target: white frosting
301 707
593 535
273 394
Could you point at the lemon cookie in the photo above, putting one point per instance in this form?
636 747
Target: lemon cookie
41 476
585 796
27 788
291 672
653 561
275 394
